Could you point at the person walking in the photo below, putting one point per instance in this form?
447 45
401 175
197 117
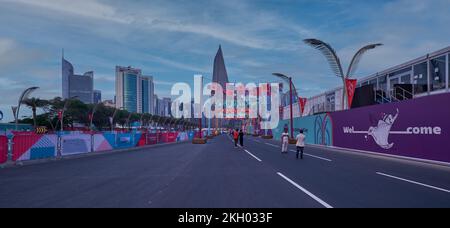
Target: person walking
284 141
236 137
241 138
300 144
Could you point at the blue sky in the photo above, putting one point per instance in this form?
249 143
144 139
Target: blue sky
173 40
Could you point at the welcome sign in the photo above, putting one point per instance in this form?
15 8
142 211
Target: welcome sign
416 128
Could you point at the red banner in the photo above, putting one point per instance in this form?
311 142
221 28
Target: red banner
302 102
351 86
3 149
59 114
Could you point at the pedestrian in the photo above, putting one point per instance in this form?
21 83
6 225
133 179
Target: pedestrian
284 141
236 137
241 138
300 144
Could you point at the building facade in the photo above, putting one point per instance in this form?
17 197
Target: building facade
79 86
148 93
134 92
97 96
423 76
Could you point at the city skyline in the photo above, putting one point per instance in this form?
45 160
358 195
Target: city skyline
173 44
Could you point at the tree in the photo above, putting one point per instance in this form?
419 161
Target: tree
34 104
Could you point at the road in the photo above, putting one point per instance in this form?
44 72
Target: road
217 175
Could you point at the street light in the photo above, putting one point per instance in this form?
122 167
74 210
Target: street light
291 89
91 117
335 63
112 118
23 97
66 105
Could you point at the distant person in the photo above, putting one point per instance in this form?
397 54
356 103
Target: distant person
284 141
300 144
241 138
236 137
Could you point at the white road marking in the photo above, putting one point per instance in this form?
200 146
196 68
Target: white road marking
253 156
305 191
414 182
272 145
314 156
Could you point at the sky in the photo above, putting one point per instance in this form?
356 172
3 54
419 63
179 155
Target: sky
173 40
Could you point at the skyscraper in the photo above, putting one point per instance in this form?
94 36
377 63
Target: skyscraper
134 92
220 76
80 86
148 92
220 72
97 96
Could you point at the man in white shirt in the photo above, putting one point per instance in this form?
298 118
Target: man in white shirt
300 144
284 141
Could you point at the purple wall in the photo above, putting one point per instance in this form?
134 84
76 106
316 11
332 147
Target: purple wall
418 128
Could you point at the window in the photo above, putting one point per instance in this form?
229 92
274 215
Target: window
437 73
382 83
420 78
373 82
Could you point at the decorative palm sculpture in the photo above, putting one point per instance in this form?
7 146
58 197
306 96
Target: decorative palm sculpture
335 63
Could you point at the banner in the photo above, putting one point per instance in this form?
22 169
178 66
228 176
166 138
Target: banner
30 146
351 86
75 144
302 102
418 128
3 149
101 143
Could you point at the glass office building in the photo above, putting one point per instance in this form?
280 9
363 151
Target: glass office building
134 92
80 86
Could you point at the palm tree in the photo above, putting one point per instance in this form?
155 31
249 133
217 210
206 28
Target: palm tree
34 104
335 62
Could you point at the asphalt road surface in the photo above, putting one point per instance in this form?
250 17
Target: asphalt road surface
217 175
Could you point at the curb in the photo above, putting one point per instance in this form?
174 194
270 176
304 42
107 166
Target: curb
380 155
16 164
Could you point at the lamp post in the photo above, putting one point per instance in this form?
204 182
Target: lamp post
66 105
112 118
91 117
335 62
289 80
24 96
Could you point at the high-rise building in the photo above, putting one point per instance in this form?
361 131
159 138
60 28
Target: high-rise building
220 71
128 89
79 86
134 92
148 93
156 102
166 104
97 96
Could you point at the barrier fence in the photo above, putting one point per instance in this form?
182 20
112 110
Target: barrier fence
32 146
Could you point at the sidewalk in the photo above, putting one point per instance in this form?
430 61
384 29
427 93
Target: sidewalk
12 164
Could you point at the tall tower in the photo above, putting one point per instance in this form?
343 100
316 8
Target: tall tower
220 71
220 76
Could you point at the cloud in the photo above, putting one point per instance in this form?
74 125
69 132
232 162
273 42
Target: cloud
245 27
12 55
83 8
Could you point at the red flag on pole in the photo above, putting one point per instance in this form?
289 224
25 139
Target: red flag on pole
351 86
60 114
302 102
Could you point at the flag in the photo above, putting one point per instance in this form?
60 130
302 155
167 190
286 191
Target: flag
302 102
351 86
